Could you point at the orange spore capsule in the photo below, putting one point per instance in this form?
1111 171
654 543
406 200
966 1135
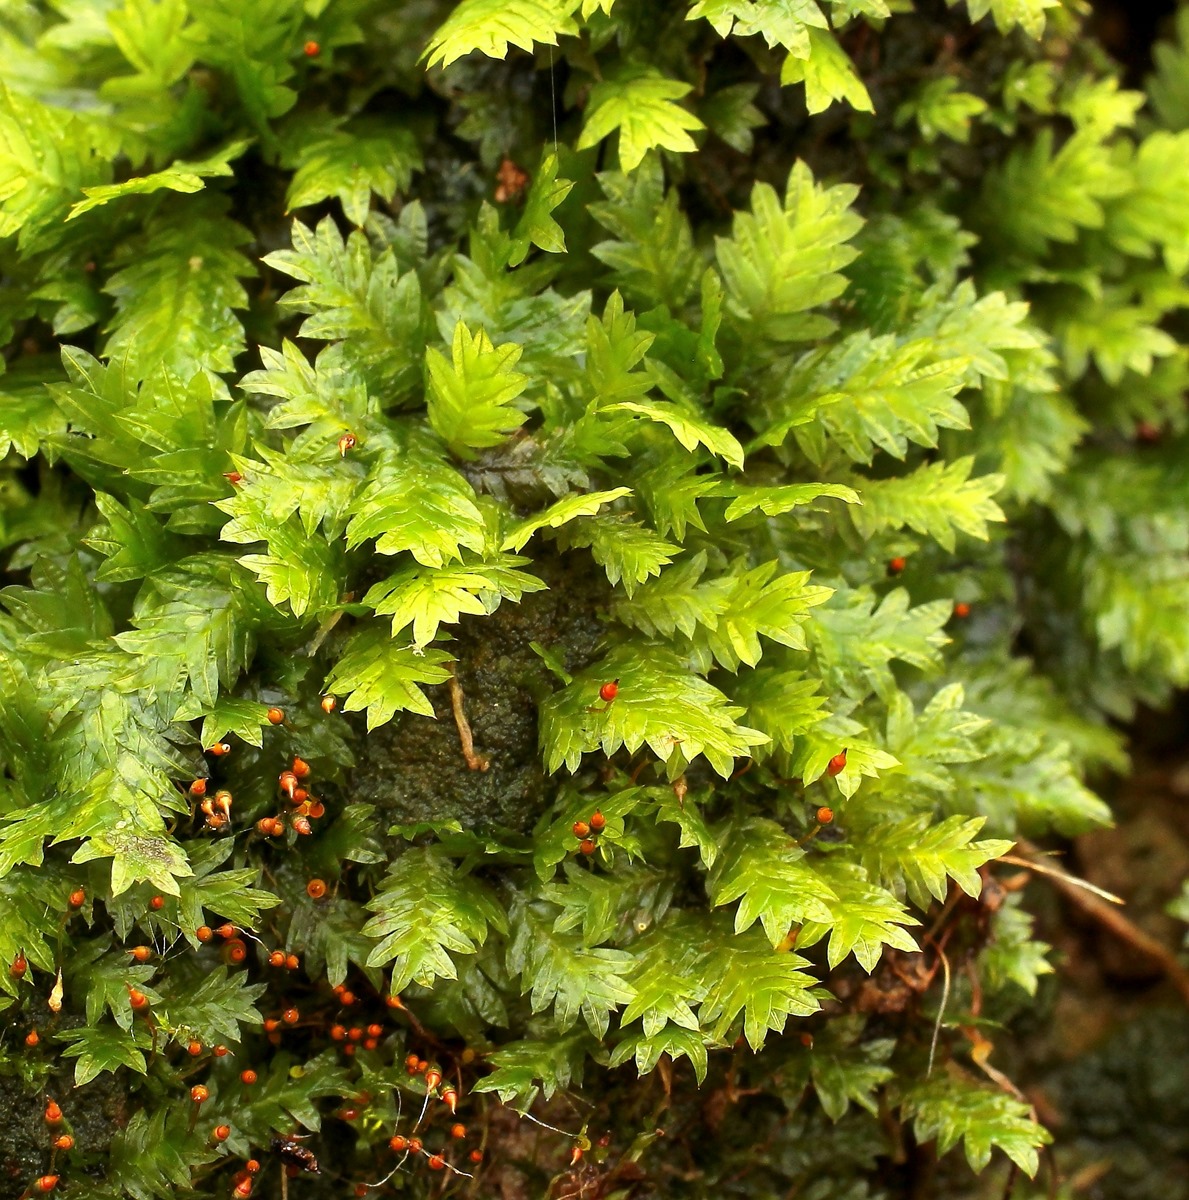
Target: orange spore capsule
271 1024
199 1094
63 1142
141 953
19 966
398 1143
301 768
236 951
219 749
220 1051
896 565
432 1078
371 1044
157 903
53 1114
587 847
47 1183
415 1145
598 822
276 958
194 1049
292 962
78 898
476 1156
961 610
316 889
291 1016
222 1132
204 933
275 716
436 1162
137 998
837 764
248 1077
580 829
302 825
609 691
824 815
317 809
311 49
32 1037
252 1166
458 1131
227 931
347 443
329 704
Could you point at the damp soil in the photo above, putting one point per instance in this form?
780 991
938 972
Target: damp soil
413 768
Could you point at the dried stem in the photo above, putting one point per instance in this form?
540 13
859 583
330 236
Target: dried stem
476 762
1089 902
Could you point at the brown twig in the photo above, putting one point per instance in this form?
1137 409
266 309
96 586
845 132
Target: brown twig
1111 919
476 762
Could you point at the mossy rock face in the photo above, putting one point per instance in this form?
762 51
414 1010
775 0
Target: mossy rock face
1128 1103
413 769
92 1115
